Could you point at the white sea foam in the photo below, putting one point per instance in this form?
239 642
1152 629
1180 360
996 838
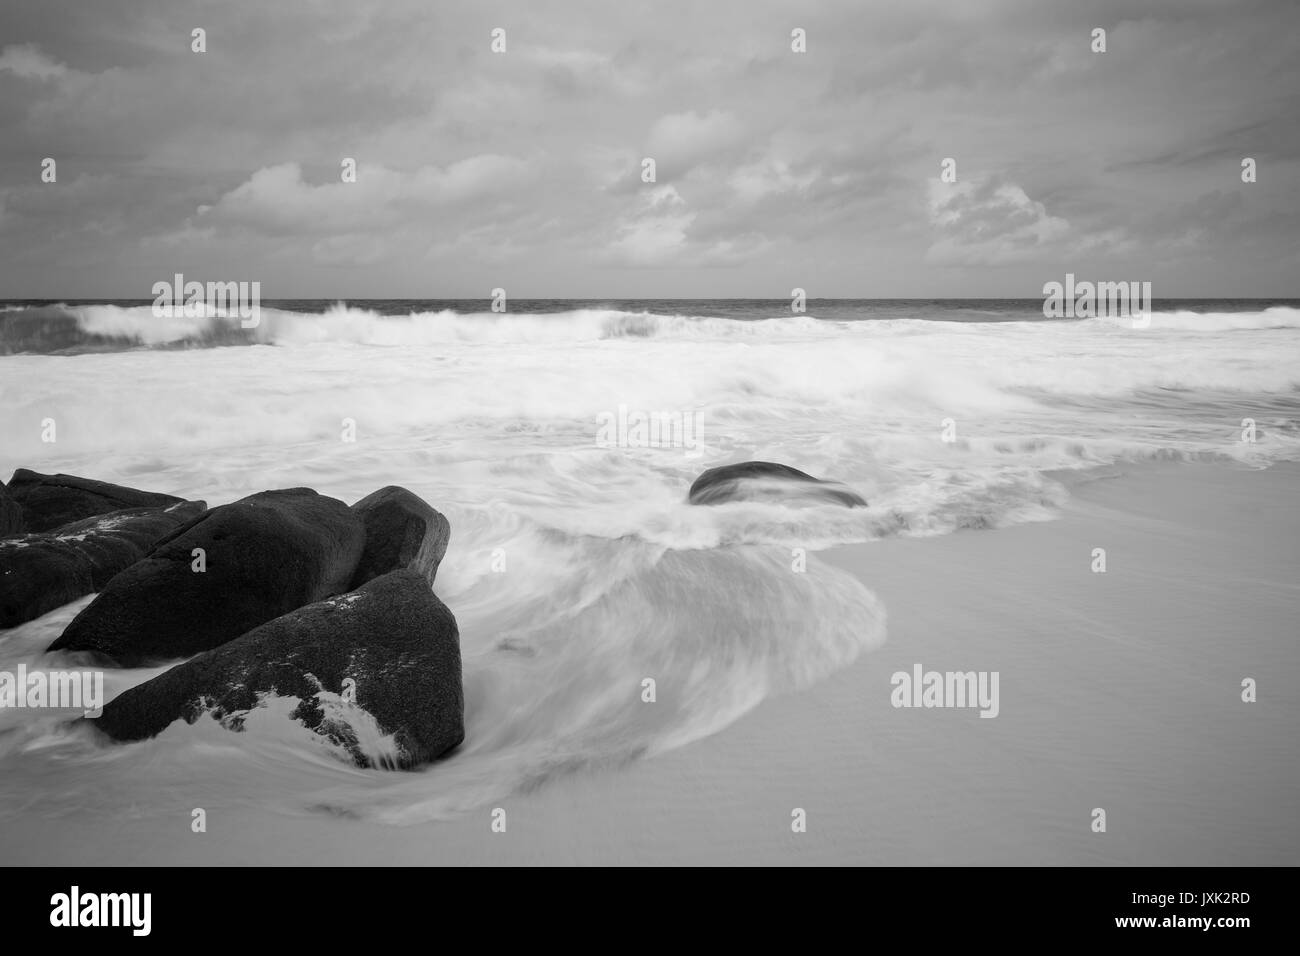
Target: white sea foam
607 576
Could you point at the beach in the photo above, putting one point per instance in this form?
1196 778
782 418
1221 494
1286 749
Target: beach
756 434
1119 690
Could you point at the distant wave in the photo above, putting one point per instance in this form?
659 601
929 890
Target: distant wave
61 329
1277 317
71 329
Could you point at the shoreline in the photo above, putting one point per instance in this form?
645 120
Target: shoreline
1118 690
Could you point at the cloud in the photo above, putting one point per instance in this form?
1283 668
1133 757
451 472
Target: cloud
29 63
276 200
758 181
658 232
680 141
349 250
654 233
523 169
990 223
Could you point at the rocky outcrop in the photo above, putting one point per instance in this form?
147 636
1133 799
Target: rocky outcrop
222 574
11 514
39 572
766 480
51 501
390 649
402 531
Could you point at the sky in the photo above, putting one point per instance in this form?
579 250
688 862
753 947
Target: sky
774 169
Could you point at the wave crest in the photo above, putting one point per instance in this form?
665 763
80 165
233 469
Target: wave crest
64 329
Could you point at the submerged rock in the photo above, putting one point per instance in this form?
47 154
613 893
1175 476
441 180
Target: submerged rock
402 531
391 645
766 480
51 501
222 574
39 572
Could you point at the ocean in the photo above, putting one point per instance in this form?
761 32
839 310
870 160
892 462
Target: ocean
576 569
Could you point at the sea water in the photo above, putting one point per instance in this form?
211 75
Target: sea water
576 570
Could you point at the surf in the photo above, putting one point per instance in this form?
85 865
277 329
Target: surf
559 651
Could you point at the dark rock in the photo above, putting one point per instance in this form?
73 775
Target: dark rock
115 541
402 531
753 480
392 637
39 572
38 576
11 514
264 556
51 501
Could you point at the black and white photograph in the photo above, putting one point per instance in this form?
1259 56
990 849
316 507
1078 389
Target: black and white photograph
650 434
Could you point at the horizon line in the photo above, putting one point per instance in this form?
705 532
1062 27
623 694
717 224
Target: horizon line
615 298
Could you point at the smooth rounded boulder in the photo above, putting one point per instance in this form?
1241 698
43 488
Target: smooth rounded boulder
222 574
390 649
767 480
39 572
51 501
402 531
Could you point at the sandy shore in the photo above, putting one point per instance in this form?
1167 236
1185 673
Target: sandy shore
1119 690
